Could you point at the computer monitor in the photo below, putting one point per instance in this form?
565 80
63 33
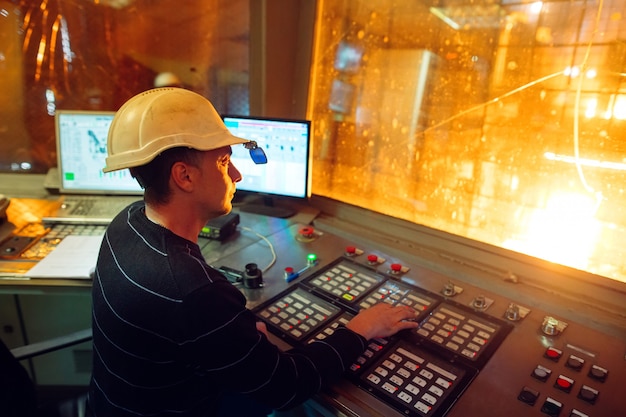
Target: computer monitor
287 144
81 145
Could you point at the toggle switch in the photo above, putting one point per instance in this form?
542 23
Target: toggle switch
450 290
481 303
515 312
552 326
512 312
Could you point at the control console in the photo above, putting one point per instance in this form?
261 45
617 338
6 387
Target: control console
418 373
486 345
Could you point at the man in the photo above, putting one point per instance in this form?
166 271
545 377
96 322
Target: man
172 337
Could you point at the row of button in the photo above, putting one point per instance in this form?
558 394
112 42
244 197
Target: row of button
345 282
453 329
413 380
577 363
397 293
298 313
550 406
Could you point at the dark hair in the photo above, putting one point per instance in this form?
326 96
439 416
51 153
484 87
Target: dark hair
154 177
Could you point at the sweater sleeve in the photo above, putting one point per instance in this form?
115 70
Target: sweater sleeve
228 348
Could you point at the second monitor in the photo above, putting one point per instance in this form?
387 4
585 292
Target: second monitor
287 144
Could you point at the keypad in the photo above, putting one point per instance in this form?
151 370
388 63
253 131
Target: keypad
372 351
394 293
298 314
330 327
346 281
413 379
458 331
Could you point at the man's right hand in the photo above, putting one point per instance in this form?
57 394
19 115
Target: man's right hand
383 320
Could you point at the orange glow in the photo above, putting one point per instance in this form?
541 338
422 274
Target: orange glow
565 232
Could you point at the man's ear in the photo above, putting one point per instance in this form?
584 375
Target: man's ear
181 175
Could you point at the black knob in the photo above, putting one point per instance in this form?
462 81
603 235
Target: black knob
252 276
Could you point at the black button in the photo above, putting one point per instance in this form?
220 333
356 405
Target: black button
575 363
588 394
551 407
528 396
598 373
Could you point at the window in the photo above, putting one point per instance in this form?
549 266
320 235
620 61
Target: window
86 55
501 122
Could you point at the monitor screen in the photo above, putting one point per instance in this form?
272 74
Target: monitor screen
286 143
81 139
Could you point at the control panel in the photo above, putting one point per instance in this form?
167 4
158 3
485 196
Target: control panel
478 351
418 373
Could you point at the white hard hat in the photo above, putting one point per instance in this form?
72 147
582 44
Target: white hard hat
167 79
160 119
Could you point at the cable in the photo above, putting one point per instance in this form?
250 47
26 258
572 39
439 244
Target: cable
269 244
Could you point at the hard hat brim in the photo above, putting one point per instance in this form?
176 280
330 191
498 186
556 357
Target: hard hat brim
144 155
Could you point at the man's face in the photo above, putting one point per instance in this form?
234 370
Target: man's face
219 176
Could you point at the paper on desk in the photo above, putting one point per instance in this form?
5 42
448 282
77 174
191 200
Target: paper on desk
74 257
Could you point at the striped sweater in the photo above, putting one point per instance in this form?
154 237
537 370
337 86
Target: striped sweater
172 335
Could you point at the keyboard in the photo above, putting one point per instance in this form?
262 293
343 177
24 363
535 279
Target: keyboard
89 209
55 235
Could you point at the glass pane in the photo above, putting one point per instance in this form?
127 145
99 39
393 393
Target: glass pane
500 122
81 54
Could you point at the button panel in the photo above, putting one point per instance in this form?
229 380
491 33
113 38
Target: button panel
565 382
298 314
417 382
461 332
394 292
346 281
416 372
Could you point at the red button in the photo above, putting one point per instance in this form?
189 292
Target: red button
350 250
372 258
563 383
307 231
396 267
552 353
